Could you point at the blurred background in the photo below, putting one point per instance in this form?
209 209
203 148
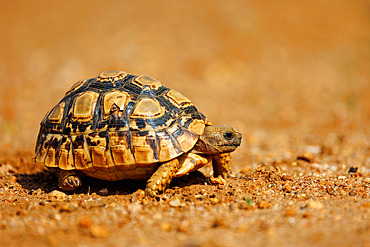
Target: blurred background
286 73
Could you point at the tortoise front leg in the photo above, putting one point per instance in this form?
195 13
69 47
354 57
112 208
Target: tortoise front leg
221 167
162 177
221 164
68 180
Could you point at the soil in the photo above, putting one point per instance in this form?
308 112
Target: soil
291 76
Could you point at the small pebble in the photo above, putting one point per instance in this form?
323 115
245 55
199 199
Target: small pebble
68 207
99 231
183 226
313 149
338 217
218 223
352 169
264 226
175 203
36 192
6 170
245 170
85 222
263 205
342 192
291 212
314 205
242 227
139 196
214 201
306 156
58 217
166 227
217 181
306 215
58 194
103 192
287 187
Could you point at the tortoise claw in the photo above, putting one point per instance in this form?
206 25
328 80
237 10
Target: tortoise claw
217 181
151 193
161 178
70 183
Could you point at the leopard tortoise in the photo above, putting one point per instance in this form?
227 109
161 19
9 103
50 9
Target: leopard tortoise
120 126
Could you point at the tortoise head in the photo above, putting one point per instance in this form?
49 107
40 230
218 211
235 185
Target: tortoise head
218 139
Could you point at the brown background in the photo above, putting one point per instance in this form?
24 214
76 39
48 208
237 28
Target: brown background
287 74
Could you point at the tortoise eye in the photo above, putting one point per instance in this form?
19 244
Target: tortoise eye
228 135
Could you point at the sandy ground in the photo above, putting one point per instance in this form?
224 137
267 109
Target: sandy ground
293 77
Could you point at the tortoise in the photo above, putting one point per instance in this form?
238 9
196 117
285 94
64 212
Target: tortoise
120 126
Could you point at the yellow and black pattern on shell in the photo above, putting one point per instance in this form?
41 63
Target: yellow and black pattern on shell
119 122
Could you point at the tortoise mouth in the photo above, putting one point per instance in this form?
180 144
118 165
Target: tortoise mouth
234 143
231 145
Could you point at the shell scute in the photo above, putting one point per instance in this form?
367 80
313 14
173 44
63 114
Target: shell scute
78 86
117 98
147 108
57 113
177 98
84 106
121 150
148 81
112 74
66 159
168 146
145 147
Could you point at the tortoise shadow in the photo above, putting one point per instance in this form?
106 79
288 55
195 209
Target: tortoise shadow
47 181
44 180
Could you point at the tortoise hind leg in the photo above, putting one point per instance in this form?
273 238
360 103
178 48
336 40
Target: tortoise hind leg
68 180
162 177
191 162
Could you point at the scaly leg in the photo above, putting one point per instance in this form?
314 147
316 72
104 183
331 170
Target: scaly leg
191 162
221 167
68 180
162 177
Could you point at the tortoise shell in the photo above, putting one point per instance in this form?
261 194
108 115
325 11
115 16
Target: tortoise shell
118 126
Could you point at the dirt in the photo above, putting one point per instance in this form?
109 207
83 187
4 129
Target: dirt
291 76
